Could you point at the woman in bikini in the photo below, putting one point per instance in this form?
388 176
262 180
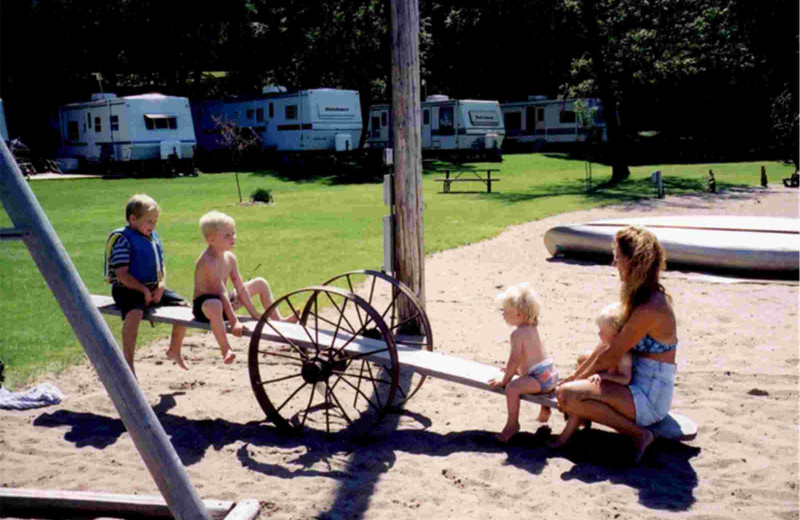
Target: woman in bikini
649 332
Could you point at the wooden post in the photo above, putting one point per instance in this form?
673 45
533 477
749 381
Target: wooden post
71 294
406 110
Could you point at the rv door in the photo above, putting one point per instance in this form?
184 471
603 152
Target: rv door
426 128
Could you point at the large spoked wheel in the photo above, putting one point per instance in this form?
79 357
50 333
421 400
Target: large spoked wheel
388 296
325 373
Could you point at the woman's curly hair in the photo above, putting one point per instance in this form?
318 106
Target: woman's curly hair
646 258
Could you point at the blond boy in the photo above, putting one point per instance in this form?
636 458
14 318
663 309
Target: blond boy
135 269
215 266
527 358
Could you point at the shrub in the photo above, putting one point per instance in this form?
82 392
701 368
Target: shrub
262 195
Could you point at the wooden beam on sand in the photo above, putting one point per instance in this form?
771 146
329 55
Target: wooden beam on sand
58 504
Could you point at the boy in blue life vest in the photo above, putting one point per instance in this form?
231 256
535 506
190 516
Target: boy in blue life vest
134 267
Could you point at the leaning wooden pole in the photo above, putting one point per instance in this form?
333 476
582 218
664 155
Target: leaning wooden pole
32 226
409 241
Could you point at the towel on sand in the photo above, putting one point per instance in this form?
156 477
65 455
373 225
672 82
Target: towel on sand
43 394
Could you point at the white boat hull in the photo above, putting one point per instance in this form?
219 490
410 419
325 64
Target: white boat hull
757 243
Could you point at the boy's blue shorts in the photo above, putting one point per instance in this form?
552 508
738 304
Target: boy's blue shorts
130 299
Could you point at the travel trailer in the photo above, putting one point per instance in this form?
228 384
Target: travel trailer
133 131
461 129
316 120
540 121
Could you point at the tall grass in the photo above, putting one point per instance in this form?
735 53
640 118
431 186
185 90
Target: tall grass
319 226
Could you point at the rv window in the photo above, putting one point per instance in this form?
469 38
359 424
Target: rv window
566 116
250 113
173 123
260 115
291 111
114 123
89 119
148 123
161 123
540 114
72 131
376 126
513 121
426 117
446 125
271 110
384 118
96 124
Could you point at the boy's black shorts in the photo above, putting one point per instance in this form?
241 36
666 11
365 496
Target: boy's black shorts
130 299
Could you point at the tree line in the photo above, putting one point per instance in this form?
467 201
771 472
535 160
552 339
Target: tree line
705 79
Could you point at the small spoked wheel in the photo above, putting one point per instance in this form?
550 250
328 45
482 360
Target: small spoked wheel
336 369
403 313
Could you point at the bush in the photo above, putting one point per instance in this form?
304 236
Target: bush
262 195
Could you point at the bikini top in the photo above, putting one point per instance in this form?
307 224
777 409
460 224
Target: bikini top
648 345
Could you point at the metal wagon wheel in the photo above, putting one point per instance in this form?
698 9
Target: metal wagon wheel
324 373
388 296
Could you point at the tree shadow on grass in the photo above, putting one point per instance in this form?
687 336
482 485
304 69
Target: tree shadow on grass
665 479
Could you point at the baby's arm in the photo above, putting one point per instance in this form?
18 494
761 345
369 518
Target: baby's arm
241 291
622 373
514 357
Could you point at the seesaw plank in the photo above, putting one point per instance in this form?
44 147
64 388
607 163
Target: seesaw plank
432 364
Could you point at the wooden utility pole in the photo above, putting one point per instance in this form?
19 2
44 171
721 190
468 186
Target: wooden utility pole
409 251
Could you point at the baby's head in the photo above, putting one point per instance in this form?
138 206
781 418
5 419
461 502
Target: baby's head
609 322
214 224
141 213
523 299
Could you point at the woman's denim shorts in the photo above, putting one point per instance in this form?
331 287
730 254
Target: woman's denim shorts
651 386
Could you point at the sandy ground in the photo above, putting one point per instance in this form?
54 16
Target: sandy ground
737 378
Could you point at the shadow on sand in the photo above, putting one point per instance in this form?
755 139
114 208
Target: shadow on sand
665 479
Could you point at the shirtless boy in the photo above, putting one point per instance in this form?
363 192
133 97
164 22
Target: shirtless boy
527 360
212 302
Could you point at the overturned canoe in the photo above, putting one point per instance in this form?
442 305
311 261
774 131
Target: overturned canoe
717 242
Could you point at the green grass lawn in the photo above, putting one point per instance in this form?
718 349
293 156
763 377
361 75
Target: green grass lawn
318 227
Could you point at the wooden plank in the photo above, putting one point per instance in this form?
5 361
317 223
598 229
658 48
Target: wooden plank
245 510
57 504
432 364
467 180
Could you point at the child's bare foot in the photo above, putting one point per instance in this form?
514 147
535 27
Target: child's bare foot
291 319
509 431
641 444
544 414
228 357
177 358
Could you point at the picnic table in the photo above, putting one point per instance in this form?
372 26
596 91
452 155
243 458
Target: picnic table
467 175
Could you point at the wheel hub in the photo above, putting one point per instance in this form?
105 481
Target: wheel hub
315 370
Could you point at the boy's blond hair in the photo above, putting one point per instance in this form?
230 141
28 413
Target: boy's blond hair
522 298
140 204
611 315
213 221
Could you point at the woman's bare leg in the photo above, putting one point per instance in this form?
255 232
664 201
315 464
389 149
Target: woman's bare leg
606 403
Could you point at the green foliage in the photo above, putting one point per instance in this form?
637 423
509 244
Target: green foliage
262 195
317 218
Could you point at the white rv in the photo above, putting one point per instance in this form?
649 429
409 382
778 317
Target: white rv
3 127
540 121
454 127
316 120
131 129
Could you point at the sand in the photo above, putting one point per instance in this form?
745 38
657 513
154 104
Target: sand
737 378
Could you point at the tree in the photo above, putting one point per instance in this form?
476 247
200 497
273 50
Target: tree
652 61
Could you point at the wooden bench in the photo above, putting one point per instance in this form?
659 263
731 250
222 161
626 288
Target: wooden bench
423 362
475 177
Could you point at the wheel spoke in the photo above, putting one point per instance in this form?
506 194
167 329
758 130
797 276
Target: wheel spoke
284 378
342 314
310 399
275 354
290 397
300 350
338 404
